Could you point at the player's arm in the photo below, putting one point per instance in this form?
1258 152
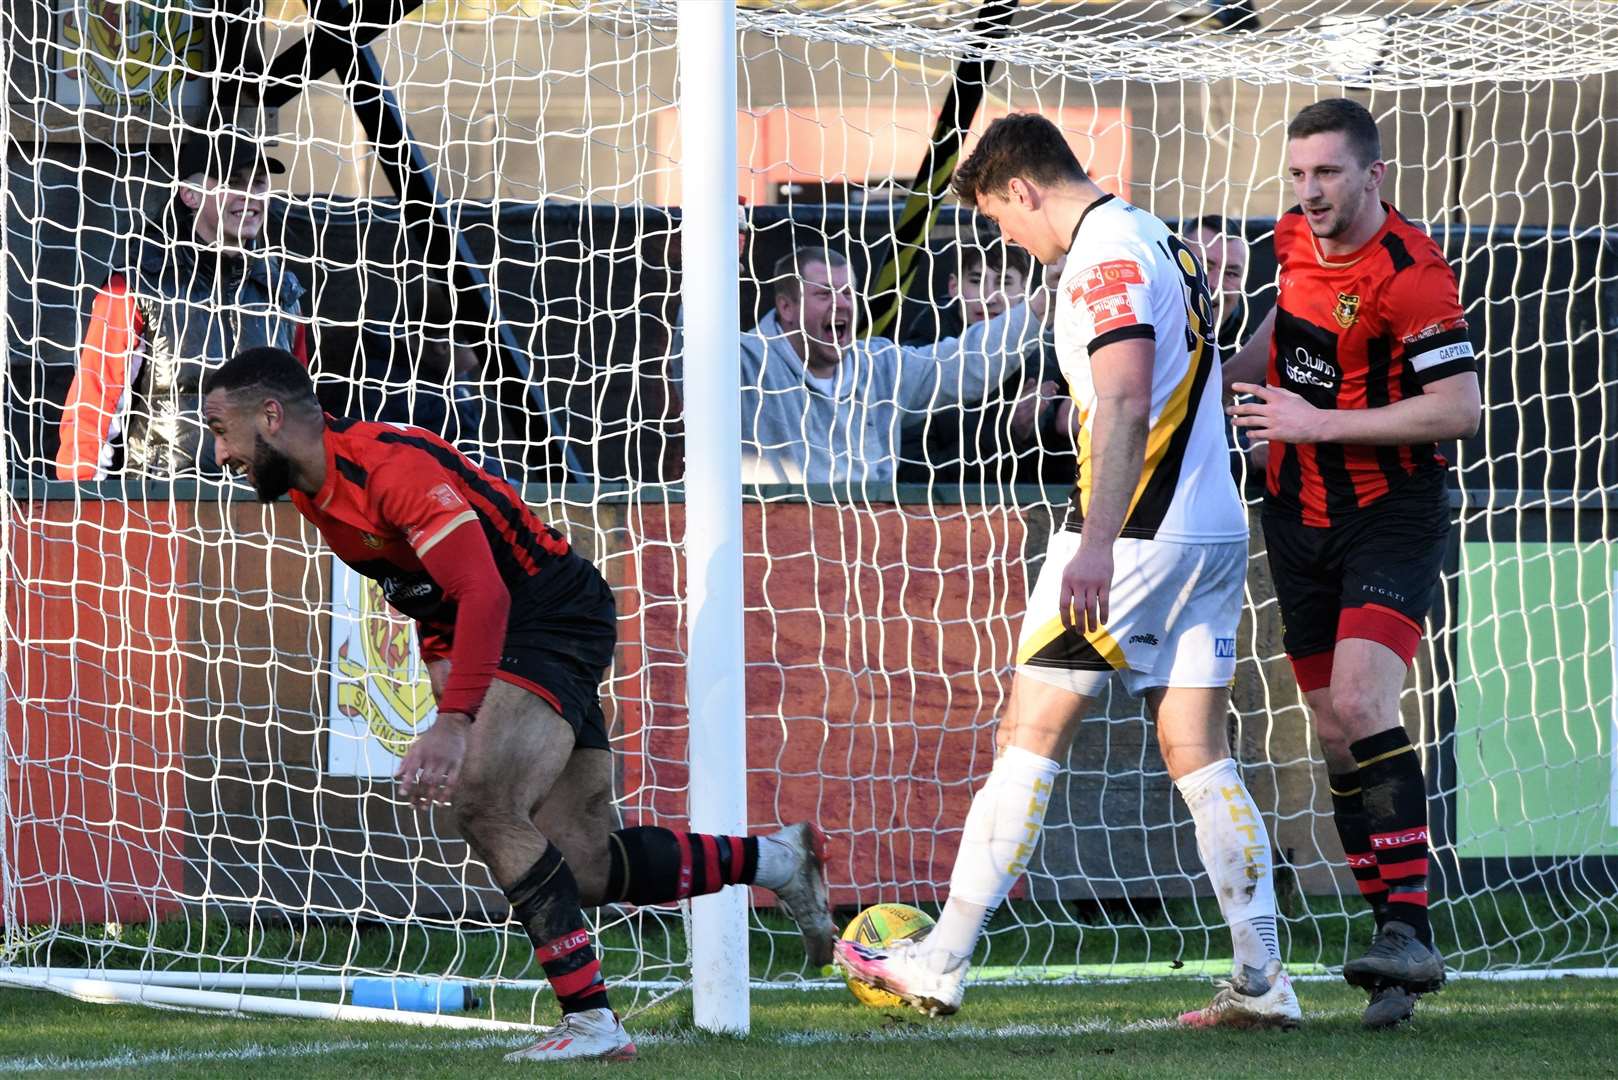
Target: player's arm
1450 408
1122 374
1251 362
413 495
438 676
1425 320
459 560
462 564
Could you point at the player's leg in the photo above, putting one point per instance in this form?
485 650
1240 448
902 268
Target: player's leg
1188 695
1391 561
1231 838
1235 850
650 865
1002 828
1059 673
517 750
1366 683
1008 811
577 815
1391 1003
1308 588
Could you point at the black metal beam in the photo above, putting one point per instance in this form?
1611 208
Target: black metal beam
425 218
339 29
426 223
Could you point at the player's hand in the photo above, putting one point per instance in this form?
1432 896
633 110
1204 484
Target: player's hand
432 766
1278 415
1085 584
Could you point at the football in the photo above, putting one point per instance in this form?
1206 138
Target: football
878 925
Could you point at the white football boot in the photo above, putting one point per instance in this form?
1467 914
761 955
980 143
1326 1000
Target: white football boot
902 968
1251 999
581 1036
804 898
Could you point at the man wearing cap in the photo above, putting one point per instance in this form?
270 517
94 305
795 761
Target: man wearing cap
193 290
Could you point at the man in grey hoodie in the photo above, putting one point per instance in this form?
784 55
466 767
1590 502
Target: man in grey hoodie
819 406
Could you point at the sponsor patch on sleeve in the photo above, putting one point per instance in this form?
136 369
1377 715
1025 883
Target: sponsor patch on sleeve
1111 311
1114 272
446 496
1104 289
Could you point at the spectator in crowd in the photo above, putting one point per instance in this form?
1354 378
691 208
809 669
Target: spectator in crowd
974 440
992 281
1224 257
184 297
988 280
429 377
819 405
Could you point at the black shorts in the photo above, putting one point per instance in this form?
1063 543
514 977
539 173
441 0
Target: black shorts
1389 555
560 638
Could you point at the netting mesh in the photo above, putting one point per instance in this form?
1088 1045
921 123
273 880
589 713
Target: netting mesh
199 713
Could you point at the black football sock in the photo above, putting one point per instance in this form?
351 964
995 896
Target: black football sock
546 902
648 865
1348 813
1395 798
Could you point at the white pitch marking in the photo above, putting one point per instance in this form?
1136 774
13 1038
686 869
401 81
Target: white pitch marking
135 1059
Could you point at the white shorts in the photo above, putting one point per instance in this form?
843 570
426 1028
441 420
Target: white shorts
1171 620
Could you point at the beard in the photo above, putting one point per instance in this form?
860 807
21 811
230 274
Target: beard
1345 212
272 471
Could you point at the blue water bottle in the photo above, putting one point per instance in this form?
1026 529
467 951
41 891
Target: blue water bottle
414 995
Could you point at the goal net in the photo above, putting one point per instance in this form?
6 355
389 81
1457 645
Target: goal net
203 710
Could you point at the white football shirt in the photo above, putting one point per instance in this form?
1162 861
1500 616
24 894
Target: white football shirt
1128 276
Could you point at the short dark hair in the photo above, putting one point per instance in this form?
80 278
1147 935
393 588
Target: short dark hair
1022 144
1340 114
990 253
267 371
789 267
1214 223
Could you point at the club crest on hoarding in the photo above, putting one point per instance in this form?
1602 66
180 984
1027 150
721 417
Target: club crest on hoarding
133 53
380 683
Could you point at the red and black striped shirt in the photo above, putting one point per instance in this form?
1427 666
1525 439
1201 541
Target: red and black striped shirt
394 501
1359 331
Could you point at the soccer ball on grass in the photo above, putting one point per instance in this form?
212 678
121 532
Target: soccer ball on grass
876 926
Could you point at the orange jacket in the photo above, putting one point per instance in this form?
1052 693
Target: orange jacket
109 360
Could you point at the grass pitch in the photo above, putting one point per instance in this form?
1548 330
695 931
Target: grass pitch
1553 1028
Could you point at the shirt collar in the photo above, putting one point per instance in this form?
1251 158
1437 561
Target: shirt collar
1074 239
328 490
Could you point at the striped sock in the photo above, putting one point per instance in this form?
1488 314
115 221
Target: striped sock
648 865
575 974
1395 796
546 902
1348 811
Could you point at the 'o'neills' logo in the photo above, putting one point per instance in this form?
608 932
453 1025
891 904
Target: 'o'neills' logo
1347 309
134 53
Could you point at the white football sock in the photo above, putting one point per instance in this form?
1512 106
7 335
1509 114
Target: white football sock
1001 830
777 862
1235 850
